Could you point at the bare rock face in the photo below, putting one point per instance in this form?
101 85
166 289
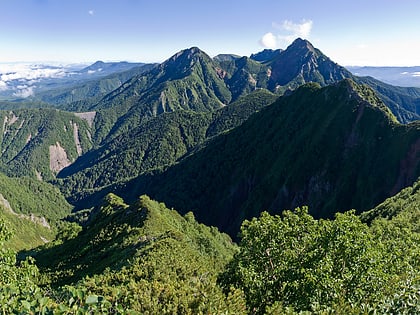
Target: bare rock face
88 116
76 139
5 204
58 158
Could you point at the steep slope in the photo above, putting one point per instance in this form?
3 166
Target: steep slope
266 55
406 201
188 80
40 142
301 63
155 144
332 148
404 102
144 258
31 209
244 75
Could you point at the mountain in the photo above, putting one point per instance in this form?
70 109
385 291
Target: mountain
226 57
404 102
157 261
332 148
301 63
157 143
405 203
106 68
141 91
81 94
31 208
397 76
189 80
40 142
266 55
22 81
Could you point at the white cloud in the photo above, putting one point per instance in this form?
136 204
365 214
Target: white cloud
288 31
269 40
3 86
91 12
21 78
11 72
302 30
24 91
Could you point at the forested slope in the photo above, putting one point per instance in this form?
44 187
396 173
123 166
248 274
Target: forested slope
334 149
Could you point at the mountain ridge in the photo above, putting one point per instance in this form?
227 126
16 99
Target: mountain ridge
361 129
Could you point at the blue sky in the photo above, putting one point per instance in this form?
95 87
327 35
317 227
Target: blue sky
351 32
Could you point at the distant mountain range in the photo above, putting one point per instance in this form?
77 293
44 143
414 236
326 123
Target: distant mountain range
26 80
398 76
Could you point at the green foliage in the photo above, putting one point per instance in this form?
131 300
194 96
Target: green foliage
158 143
402 101
244 75
296 263
80 95
147 259
32 209
305 146
187 81
26 195
139 259
407 200
142 258
28 134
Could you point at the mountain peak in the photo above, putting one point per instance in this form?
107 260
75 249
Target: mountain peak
189 53
301 62
95 66
301 44
184 61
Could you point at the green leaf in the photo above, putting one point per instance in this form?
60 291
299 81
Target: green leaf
92 299
26 305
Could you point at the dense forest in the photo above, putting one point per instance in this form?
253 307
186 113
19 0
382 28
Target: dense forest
147 259
278 183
